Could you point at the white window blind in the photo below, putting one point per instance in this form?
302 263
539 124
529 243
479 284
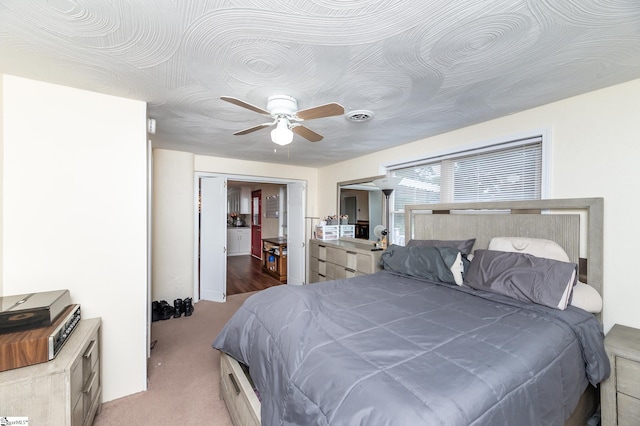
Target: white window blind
501 172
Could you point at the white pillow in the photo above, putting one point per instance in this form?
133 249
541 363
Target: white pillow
587 298
533 246
583 296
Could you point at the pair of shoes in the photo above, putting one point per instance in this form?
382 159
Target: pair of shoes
162 310
188 307
178 308
166 310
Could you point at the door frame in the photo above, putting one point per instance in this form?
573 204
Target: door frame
242 178
258 246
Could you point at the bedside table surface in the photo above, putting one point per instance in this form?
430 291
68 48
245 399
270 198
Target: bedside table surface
624 341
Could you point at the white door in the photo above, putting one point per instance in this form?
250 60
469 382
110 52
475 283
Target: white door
296 201
213 238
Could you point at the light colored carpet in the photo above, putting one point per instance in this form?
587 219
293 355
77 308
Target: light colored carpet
184 373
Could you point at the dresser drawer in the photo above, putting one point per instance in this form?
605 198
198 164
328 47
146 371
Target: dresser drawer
335 272
628 410
238 394
322 252
337 256
90 357
365 264
352 260
322 267
627 377
77 413
313 264
314 249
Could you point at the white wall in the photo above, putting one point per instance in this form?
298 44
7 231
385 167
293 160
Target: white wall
173 191
595 153
1 179
75 214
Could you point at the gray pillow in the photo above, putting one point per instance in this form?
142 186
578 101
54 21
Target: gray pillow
464 246
523 277
440 264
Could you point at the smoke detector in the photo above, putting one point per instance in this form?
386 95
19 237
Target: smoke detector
359 115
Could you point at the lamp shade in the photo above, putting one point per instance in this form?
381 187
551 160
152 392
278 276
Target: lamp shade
387 183
282 135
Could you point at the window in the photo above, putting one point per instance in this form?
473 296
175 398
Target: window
499 172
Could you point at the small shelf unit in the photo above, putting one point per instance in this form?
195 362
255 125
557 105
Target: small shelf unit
274 258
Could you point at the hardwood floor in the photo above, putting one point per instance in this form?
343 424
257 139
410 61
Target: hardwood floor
244 273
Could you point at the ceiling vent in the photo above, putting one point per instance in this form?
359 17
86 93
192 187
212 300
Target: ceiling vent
359 115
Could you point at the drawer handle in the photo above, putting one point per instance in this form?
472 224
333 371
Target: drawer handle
351 252
321 261
89 385
87 353
234 383
349 270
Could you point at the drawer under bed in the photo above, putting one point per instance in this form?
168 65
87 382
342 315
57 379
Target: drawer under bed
238 393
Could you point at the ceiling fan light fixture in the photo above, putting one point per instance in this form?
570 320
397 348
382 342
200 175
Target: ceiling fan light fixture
282 135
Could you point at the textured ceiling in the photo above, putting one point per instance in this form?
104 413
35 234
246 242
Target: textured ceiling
422 67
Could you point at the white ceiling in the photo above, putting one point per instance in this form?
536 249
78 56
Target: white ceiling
422 67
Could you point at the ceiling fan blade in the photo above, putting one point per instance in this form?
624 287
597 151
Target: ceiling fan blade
253 129
244 104
327 110
307 133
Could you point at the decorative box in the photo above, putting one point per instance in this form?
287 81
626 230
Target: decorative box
348 231
327 232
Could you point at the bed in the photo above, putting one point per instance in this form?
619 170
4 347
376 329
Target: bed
398 348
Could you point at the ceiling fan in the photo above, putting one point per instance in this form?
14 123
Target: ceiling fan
283 109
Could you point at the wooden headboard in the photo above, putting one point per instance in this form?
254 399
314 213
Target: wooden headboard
557 220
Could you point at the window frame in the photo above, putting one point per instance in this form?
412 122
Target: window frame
498 143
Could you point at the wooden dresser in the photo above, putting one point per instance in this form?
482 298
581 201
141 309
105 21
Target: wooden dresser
620 393
332 260
63 391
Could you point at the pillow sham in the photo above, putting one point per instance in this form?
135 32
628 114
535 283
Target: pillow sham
522 277
441 264
464 246
583 296
535 246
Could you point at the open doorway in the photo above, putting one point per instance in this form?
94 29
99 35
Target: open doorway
223 260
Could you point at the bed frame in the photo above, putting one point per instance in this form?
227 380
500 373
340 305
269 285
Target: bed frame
563 221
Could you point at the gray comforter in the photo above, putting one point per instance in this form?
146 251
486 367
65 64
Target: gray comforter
386 349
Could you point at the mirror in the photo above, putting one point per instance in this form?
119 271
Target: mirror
363 202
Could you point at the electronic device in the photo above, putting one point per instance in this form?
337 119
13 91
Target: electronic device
29 347
34 310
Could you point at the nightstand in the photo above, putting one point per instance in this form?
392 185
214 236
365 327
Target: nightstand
620 393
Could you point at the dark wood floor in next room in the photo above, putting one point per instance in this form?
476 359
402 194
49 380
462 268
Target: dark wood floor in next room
244 273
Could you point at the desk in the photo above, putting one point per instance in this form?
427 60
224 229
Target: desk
274 258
